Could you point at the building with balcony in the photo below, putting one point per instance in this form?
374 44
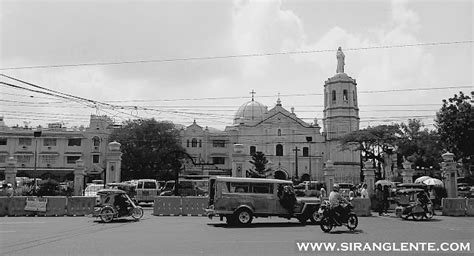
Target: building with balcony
53 151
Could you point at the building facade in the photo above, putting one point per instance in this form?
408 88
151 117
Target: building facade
53 151
294 148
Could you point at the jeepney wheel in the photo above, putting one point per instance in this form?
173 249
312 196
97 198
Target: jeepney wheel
107 215
417 216
325 224
243 216
352 222
137 213
314 217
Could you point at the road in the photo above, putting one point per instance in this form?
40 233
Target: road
155 235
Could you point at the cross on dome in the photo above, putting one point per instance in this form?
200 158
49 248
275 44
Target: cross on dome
252 92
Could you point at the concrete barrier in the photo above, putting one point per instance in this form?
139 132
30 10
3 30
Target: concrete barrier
80 205
16 207
361 206
454 206
4 202
167 206
194 206
56 206
470 206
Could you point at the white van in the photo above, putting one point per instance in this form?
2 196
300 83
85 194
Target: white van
147 189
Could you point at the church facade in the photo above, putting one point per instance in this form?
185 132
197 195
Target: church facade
293 148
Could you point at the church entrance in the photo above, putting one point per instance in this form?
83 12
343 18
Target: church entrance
280 175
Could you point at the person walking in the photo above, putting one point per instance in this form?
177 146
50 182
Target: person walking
386 202
379 197
363 192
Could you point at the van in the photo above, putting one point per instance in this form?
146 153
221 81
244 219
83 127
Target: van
186 188
146 190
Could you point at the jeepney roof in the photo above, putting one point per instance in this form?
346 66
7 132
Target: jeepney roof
251 180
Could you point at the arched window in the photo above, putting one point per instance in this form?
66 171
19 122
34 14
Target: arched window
279 132
333 96
200 143
354 98
96 141
187 143
253 149
194 143
305 151
344 96
279 150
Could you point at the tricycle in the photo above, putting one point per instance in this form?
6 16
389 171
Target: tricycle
115 203
415 203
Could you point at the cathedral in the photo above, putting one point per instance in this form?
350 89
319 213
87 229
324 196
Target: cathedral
294 149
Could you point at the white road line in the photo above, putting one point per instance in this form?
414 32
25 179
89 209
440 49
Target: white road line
24 222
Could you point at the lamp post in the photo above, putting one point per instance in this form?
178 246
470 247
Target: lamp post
309 140
36 135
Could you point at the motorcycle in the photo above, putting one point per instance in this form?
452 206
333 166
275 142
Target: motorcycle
414 203
328 220
109 208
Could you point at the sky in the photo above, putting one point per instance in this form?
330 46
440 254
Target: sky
144 59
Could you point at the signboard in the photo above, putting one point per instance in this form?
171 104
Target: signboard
36 204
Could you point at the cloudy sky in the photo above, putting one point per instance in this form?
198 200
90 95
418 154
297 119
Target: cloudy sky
153 57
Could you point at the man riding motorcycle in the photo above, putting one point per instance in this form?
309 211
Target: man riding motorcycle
335 200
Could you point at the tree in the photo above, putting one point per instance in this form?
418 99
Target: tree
373 142
421 147
259 161
455 123
146 144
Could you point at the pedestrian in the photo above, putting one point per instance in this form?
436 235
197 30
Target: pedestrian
364 193
433 197
379 197
322 193
386 202
9 190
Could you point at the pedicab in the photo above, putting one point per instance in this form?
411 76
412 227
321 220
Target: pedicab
415 203
115 203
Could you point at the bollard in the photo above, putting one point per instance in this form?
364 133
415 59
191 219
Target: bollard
167 206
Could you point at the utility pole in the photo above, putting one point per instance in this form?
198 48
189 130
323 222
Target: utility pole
309 140
296 149
36 135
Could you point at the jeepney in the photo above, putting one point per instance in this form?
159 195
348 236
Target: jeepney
239 200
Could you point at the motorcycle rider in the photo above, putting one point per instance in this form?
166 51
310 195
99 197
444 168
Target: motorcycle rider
335 200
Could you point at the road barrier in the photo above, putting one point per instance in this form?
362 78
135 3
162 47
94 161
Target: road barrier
4 202
194 206
167 206
361 206
470 207
454 206
56 206
80 205
180 206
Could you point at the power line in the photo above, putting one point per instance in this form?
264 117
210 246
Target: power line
233 56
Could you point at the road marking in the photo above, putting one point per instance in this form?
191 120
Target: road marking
24 222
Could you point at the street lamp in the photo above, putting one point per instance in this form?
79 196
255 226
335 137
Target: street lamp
36 135
309 140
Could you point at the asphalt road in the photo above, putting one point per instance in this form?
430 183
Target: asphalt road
155 235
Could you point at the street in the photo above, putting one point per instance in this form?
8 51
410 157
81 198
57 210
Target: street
155 235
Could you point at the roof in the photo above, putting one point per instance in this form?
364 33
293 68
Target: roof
251 180
111 191
410 190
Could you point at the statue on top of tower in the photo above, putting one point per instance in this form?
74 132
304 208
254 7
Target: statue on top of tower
340 61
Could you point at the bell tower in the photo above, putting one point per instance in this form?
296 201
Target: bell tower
341 111
341 116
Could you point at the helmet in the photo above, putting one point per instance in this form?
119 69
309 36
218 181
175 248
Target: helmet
335 187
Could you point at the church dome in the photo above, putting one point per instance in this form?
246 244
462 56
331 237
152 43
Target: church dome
250 112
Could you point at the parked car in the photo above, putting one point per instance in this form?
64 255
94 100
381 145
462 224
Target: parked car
146 190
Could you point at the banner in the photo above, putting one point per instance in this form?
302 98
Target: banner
36 204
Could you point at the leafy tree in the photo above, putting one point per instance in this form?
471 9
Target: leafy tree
147 147
373 142
419 146
259 161
455 123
